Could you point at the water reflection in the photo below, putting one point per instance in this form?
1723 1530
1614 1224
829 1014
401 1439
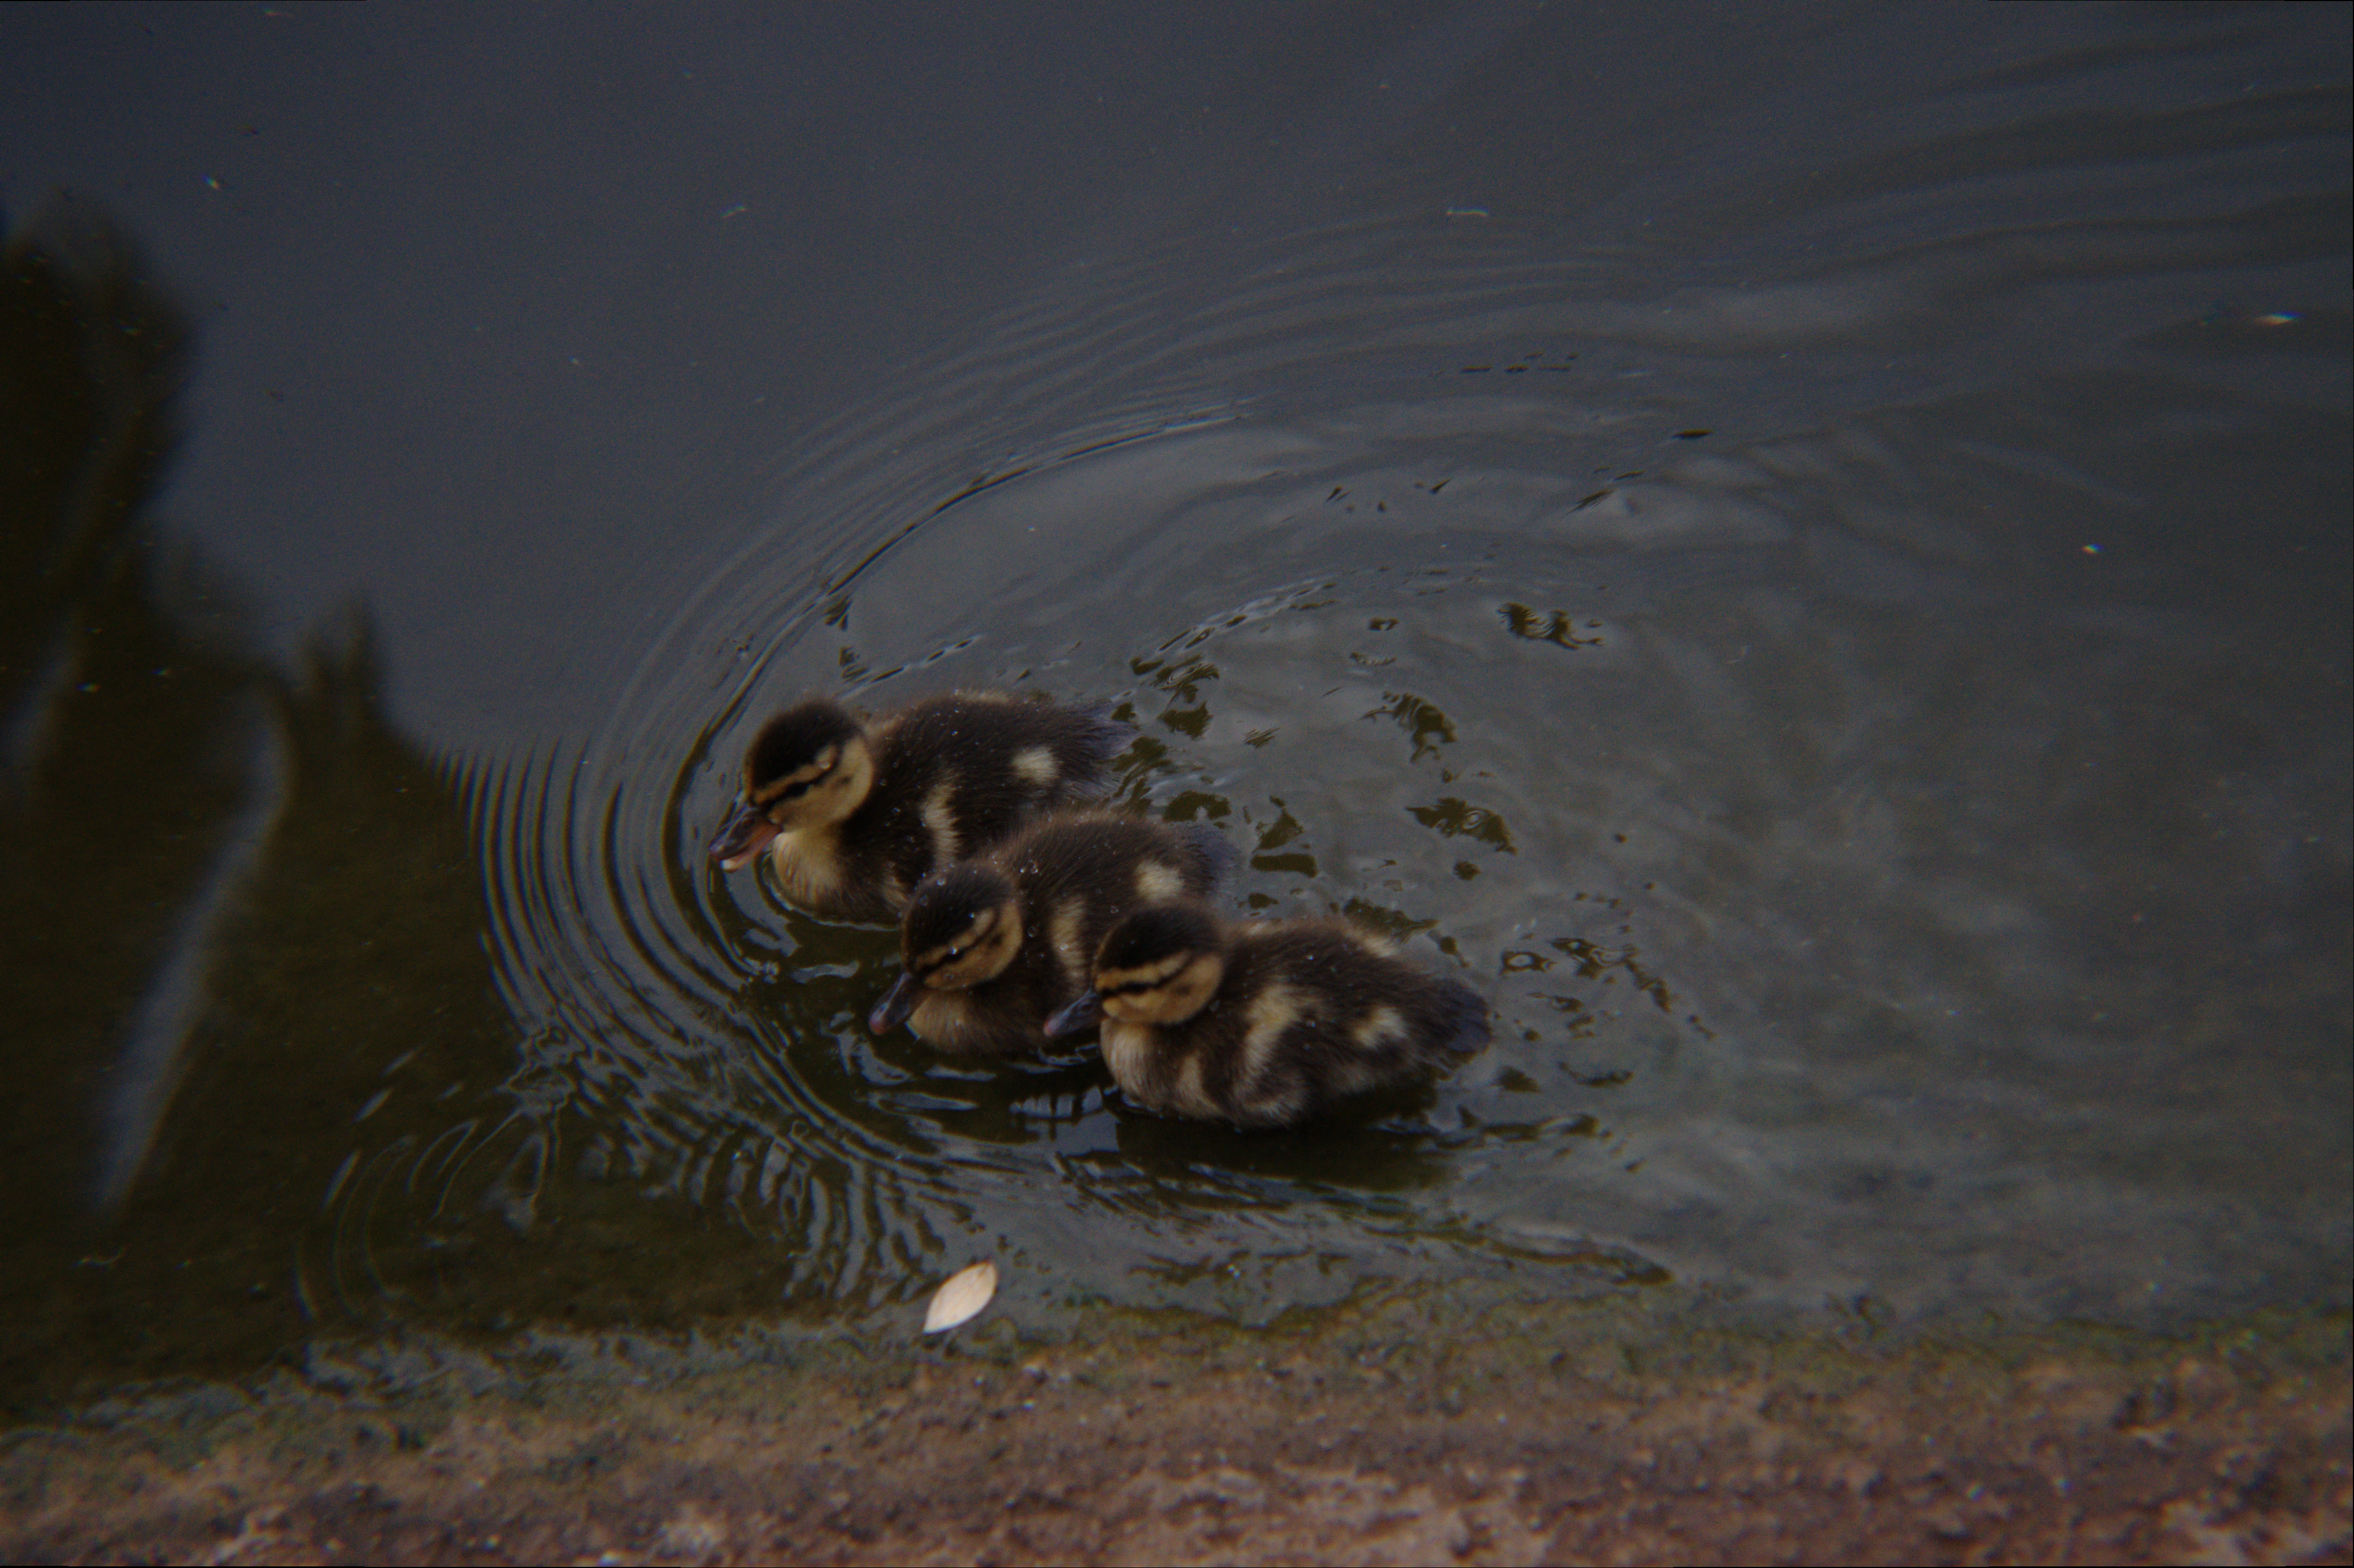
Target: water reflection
245 915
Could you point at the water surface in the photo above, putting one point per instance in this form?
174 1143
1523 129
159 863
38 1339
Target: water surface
1802 555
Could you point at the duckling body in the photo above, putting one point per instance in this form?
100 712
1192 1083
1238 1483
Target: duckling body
994 945
853 817
1266 1024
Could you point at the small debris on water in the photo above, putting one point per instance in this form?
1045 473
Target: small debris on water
961 1299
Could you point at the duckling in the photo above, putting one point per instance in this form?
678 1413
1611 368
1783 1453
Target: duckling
853 817
1263 1025
994 945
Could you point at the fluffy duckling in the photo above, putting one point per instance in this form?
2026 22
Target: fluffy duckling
853 817
1263 1025
994 945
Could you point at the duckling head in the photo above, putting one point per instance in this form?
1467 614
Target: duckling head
1160 965
962 928
811 765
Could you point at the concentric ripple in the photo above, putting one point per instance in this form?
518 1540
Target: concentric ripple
1769 658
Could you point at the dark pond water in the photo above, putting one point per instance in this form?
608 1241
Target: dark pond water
1803 550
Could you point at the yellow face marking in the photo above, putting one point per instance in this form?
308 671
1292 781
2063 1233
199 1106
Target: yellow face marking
1035 766
973 954
817 767
1167 991
813 798
1157 882
1135 1008
857 779
1141 977
996 951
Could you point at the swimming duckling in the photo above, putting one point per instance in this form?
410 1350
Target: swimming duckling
853 817
994 945
1263 1025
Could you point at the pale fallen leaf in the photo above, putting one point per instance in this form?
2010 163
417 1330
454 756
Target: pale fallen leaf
961 1299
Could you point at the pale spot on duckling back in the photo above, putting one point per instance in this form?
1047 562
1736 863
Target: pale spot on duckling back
1269 1016
1382 1027
1036 765
1157 882
1066 934
939 820
1270 1109
1375 1036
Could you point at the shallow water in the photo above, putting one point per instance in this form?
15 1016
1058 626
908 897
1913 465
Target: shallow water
1810 567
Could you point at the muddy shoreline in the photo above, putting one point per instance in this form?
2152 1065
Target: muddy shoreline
1402 1426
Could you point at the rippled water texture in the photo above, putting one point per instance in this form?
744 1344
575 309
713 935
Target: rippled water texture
1832 616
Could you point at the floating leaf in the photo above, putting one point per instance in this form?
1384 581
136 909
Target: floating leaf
1419 718
1554 626
1452 816
962 1298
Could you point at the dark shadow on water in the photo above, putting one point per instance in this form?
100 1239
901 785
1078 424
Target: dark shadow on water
260 1071
1377 1146
242 916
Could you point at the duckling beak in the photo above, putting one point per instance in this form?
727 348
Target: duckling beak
896 1003
746 834
1087 1010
